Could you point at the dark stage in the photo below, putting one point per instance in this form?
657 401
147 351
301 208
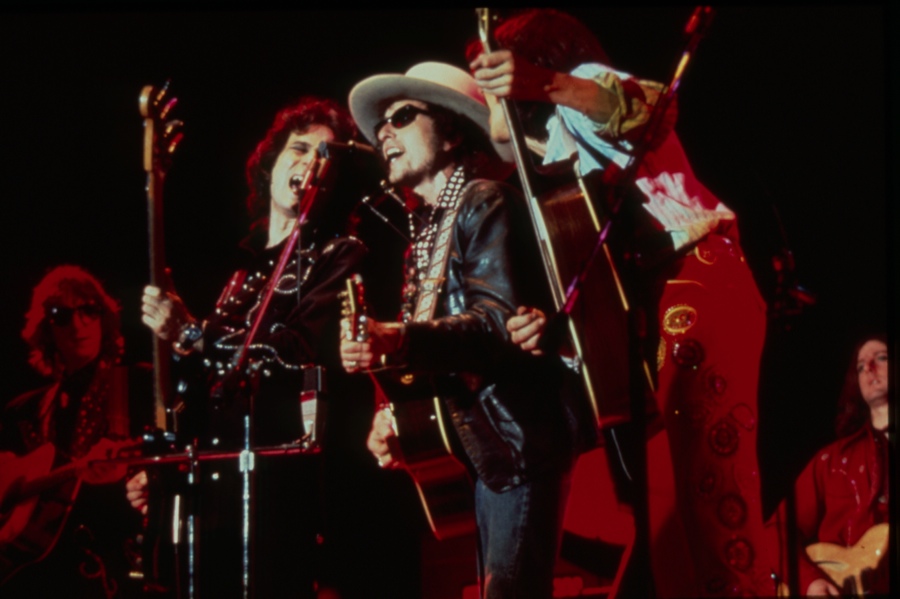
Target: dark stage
784 113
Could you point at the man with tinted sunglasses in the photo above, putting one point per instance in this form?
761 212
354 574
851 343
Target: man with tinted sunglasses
72 329
464 278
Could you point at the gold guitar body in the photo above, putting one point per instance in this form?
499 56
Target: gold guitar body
845 565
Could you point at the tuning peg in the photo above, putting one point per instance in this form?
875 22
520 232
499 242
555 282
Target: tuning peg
164 111
162 91
174 143
173 135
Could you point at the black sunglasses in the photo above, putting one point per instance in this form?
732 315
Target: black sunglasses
61 316
401 117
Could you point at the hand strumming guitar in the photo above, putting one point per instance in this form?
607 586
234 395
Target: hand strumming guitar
381 341
380 438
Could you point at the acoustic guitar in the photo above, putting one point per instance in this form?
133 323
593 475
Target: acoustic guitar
567 222
35 500
422 444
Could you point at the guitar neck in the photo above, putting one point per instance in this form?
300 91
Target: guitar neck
525 171
160 140
161 374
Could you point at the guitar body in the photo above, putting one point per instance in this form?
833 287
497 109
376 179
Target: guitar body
30 528
422 445
567 222
572 225
845 565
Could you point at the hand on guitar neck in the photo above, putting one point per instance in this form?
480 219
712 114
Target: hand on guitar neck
361 340
365 342
505 75
372 348
502 74
164 312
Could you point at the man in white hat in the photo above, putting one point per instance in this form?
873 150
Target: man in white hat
465 275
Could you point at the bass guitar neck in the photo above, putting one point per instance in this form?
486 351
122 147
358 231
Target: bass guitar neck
161 137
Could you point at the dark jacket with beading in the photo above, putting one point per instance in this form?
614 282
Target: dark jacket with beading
504 403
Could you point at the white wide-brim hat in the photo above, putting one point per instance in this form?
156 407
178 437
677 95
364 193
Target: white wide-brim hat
436 83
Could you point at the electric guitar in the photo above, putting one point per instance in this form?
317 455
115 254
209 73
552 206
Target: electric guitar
35 500
421 445
162 134
161 137
845 565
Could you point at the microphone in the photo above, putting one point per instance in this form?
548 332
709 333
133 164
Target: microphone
700 18
329 148
392 193
366 202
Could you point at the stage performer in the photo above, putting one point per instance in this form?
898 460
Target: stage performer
79 530
705 320
430 125
844 490
300 547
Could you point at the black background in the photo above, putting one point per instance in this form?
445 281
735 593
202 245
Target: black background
783 110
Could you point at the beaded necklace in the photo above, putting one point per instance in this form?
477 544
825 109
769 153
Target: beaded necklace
418 256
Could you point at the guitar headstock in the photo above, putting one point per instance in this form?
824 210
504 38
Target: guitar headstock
161 134
486 21
353 307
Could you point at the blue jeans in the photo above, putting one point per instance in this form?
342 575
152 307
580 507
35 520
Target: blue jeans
519 533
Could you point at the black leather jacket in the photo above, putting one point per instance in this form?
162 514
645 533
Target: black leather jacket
504 403
295 332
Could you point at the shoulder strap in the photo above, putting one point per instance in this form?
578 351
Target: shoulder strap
434 280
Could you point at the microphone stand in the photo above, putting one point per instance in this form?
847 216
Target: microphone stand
311 184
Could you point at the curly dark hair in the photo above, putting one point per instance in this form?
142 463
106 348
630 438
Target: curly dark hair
68 281
852 409
295 118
